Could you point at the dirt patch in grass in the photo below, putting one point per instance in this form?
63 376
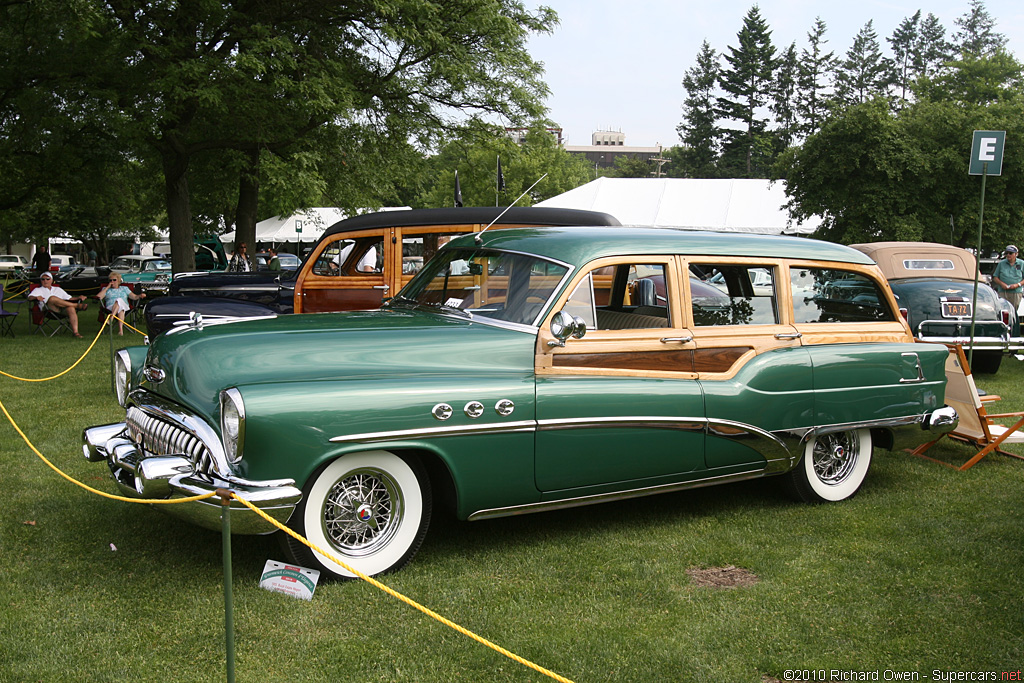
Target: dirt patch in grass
722 577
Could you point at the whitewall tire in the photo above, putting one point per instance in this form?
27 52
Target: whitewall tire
833 467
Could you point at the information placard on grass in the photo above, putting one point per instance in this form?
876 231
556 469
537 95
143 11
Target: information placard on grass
292 580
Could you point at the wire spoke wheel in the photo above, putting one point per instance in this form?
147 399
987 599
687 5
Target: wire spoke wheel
832 468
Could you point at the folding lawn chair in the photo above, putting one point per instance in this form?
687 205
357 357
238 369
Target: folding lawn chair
6 317
977 426
48 323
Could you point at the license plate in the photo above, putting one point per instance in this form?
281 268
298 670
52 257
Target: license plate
956 309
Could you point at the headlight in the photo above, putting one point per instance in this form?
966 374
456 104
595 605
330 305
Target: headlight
122 376
232 424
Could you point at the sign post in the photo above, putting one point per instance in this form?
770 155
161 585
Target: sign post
986 159
298 231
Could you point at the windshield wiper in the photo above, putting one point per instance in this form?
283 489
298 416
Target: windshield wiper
450 309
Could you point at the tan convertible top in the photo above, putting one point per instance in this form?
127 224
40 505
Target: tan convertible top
899 260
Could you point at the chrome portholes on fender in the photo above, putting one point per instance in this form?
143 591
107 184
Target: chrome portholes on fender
474 409
504 407
369 510
833 466
442 411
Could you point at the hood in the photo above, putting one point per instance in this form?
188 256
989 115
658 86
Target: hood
329 346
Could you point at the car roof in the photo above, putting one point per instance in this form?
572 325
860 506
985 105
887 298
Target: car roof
472 215
902 260
579 245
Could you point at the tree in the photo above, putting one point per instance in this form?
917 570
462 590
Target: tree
254 81
475 158
862 75
747 83
783 98
815 72
698 130
904 42
976 36
933 48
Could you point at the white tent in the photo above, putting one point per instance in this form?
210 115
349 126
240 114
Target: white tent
754 206
285 229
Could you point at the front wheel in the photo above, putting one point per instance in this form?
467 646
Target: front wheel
832 468
370 510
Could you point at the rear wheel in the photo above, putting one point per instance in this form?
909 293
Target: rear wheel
986 362
369 510
833 467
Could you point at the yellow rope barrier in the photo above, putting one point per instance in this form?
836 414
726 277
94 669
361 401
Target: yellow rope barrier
373 582
409 601
47 379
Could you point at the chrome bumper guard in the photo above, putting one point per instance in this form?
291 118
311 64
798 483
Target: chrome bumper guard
929 427
144 475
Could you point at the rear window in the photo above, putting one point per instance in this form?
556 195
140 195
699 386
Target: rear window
826 295
928 264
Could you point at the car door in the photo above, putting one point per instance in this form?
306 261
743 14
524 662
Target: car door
348 272
619 408
756 377
847 319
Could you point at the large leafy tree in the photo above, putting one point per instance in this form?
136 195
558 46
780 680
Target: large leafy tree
248 85
747 82
698 131
475 158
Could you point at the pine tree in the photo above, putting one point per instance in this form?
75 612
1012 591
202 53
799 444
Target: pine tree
783 99
862 75
816 70
904 42
747 83
698 131
933 49
977 37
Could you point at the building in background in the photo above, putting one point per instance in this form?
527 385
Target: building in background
606 145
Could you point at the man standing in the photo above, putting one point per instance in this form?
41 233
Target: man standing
1008 275
49 296
41 260
275 263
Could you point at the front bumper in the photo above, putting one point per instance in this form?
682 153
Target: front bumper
145 475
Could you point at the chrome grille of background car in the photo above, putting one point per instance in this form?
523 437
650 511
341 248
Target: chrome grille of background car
162 437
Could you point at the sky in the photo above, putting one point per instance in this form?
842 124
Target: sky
619 65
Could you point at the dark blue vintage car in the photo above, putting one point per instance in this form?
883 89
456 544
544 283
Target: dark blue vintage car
934 284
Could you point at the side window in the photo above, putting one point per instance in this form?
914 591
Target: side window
351 257
733 294
622 297
418 249
824 295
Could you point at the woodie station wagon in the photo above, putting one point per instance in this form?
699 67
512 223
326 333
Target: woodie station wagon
531 369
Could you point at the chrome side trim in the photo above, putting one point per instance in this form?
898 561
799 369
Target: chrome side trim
580 501
454 430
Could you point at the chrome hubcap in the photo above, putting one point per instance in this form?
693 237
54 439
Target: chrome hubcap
835 456
362 512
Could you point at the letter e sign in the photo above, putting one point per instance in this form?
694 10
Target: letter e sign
987 152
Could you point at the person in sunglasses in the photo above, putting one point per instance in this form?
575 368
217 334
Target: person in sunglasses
115 298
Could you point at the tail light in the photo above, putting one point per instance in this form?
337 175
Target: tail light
1005 315
906 314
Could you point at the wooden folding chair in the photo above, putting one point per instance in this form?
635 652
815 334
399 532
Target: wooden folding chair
976 424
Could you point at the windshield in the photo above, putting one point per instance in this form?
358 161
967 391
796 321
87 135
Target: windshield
486 283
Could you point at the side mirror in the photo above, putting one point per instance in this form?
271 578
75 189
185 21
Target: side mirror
565 325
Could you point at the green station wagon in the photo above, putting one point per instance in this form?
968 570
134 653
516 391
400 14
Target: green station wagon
526 370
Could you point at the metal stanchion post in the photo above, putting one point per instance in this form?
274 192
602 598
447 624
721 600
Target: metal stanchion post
229 609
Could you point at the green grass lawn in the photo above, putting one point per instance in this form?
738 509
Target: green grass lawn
922 570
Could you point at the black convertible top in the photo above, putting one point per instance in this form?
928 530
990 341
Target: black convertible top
517 215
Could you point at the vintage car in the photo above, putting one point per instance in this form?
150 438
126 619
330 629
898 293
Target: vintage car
527 370
13 262
153 273
288 261
356 264
934 285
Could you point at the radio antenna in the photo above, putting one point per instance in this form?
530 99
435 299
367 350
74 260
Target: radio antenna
479 235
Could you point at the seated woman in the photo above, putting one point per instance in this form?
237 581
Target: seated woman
115 298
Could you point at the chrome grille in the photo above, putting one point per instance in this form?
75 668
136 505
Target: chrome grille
162 437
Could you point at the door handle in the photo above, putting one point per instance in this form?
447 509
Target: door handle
384 287
788 335
681 340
